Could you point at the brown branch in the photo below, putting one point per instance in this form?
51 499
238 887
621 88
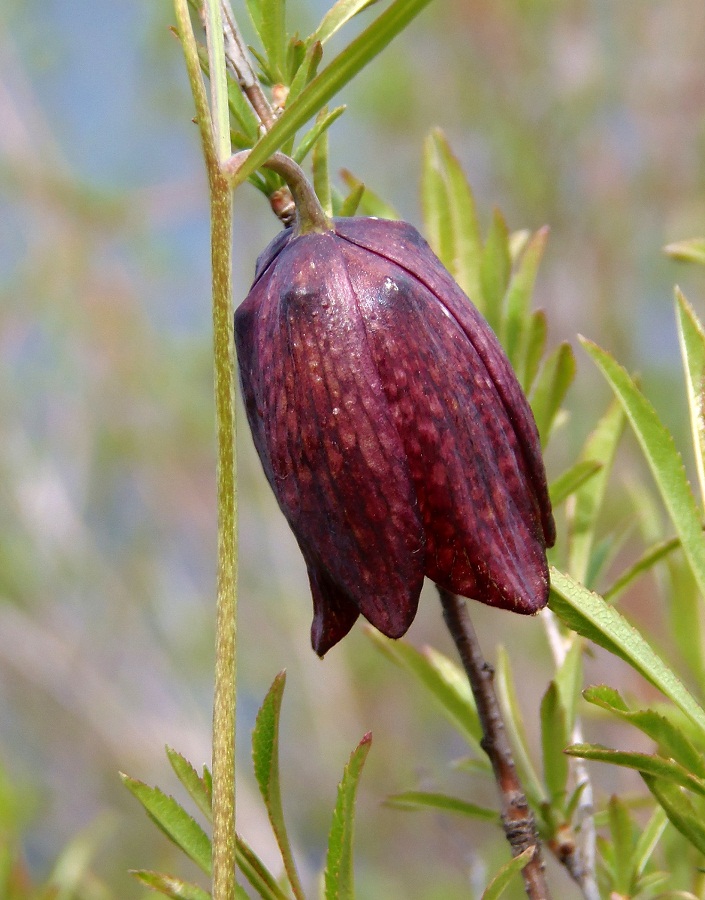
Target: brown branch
517 817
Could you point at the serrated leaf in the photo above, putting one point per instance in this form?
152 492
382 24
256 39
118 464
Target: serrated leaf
442 678
670 739
514 331
416 800
170 886
600 447
338 876
663 459
333 77
550 388
528 367
265 756
679 808
338 15
692 342
643 762
554 738
504 876
691 250
514 723
192 781
573 478
495 269
174 821
308 141
588 614
371 204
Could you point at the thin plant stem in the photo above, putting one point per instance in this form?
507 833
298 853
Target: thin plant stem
517 817
239 61
577 857
224 838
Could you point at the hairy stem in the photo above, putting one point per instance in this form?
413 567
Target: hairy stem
517 817
224 840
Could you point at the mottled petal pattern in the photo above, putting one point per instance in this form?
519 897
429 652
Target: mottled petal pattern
323 429
391 428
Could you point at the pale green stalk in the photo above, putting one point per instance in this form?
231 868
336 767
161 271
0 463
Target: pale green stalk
224 886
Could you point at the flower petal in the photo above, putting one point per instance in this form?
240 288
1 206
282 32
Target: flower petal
481 515
326 437
401 243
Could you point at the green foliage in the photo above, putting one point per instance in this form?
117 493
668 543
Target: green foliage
338 875
504 876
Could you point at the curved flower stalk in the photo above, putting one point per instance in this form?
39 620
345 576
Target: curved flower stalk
391 428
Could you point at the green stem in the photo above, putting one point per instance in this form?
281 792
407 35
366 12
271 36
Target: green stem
224 840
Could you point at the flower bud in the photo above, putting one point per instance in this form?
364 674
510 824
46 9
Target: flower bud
391 429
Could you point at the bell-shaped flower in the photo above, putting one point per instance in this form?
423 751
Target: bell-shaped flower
391 429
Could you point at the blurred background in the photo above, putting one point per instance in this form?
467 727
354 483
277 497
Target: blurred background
587 116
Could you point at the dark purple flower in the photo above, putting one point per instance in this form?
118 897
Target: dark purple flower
391 428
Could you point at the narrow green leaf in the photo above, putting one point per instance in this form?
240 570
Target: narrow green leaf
692 341
569 481
335 76
652 556
338 876
642 762
554 738
514 331
321 179
323 123
569 681
295 55
371 204
588 614
192 781
304 75
495 269
265 756
692 250
464 248
435 202
174 821
254 8
255 871
600 447
679 808
663 458
556 376
337 16
415 800
514 723
442 678
528 367
648 840
349 205
272 33
622 832
506 874
669 737
170 886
